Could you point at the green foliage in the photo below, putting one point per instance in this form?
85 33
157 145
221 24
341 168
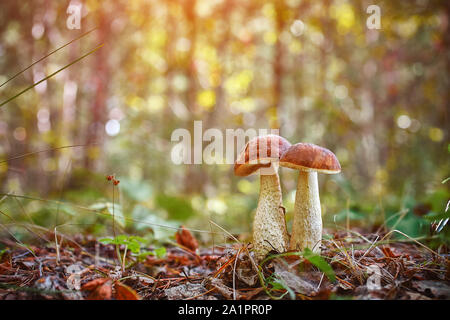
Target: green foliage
276 283
159 253
312 257
2 252
413 222
320 263
134 245
163 229
437 216
407 222
438 200
114 210
178 208
139 191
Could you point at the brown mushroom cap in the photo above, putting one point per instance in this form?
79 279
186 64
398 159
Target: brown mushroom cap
309 157
260 152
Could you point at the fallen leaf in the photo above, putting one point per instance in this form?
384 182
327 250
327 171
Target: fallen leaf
187 290
252 293
437 289
101 289
124 292
91 285
226 291
5 268
291 278
103 292
185 238
388 252
247 275
415 296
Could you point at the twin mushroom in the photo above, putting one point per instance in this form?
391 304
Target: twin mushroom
263 155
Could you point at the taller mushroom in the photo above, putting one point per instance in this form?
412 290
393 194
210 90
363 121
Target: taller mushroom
307 224
261 155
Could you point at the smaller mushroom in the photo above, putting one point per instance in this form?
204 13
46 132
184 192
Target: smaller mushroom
261 155
307 223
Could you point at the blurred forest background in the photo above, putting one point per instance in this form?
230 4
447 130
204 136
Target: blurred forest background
379 99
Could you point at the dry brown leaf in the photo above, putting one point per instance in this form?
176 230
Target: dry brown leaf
226 291
185 238
292 279
92 285
437 289
388 252
102 292
187 290
124 292
252 293
101 289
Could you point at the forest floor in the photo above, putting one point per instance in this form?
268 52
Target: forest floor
362 267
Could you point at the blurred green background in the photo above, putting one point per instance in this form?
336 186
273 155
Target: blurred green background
379 99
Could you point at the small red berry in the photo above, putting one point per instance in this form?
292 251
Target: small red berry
116 182
109 178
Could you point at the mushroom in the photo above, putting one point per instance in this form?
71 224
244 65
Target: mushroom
307 223
261 155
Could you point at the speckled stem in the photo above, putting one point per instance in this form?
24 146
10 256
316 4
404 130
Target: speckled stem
269 225
307 224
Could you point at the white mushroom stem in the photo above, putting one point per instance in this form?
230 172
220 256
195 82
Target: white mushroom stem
269 226
307 223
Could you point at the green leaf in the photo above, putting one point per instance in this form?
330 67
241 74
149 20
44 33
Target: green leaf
133 243
134 247
106 240
113 210
161 252
150 219
144 254
320 263
137 190
279 284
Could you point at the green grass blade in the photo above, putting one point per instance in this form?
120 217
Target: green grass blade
320 263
